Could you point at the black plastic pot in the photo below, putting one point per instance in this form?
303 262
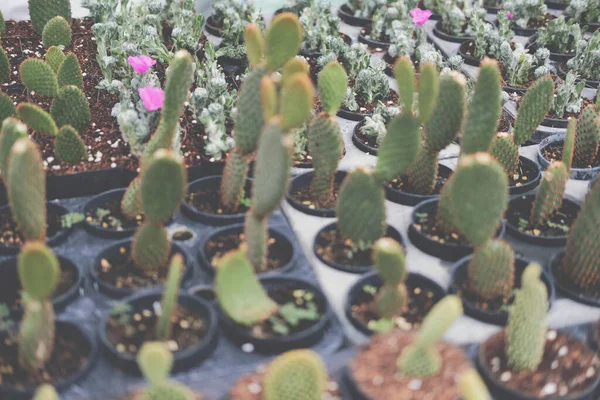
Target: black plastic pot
58 238
470 60
547 241
352 387
511 89
212 28
67 329
87 183
581 174
515 190
556 5
566 289
232 66
412 199
212 182
444 251
204 292
115 195
345 13
281 238
373 279
558 57
562 72
240 335
555 122
372 43
114 249
502 392
492 10
352 115
500 317
390 233
359 144
439 33
304 180
182 360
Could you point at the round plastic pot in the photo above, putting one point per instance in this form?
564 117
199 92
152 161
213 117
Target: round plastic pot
346 15
390 233
502 392
352 115
212 28
99 201
439 33
113 250
373 279
529 186
372 43
558 57
581 174
204 292
58 238
556 5
303 181
555 122
492 10
500 317
412 199
87 183
9 276
511 89
240 335
282 239
470 60
522 31
69 330
443 251
359 144
212 182
588 82
184 359
568 290
547 241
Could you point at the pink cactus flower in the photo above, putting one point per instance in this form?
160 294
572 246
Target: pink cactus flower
510 15
419 16
141 64
152 97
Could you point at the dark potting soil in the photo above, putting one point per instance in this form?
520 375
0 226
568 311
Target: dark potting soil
11 296
505 122
375 370
524 175
304 197
277 325
68 357
559 224
110 216
365 107
208 200
468 48
427 224
128 331
553 152
420 302
401 184
366 32
11 234
494 305
568 366
533 24
391 61
217 247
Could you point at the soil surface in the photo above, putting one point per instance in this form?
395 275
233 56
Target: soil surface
110 216
559 224
553 152
427 224
208 200
401 184
524 175
366 32
303 196
11 234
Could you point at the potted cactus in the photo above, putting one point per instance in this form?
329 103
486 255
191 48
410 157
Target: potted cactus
560 37
369 133
391 363
520 68
527 360
386 22
528 15
360 13
487 40
458 20
274 314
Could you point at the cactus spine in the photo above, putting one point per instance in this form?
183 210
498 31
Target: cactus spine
169 299
390 261
46 392
42 11
39 272
550 194
421 359
588 137
12 130
57 32
527 324
506 152
296 375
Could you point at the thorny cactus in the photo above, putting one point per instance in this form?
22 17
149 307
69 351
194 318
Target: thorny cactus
46 392
325 142
42 11
170 296
2 25
68 146
472 386
155 361
491 271
38 77
7 108
568 151
57 32
588 137
421 359
296 375
54 58
39 273
527 323
69 72
550 194
37 119
235 283
70 107
390 261
12 130
506 152
162 189
4 66
26 186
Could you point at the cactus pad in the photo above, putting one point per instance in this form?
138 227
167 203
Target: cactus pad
588 137
249 120
422 173
399 147
472 386
282 40
268 98
390 260
37 119
69 72
39 270
234 179
404 73
131 204
151 246
255 45
297 96
490 273
550 194
46 392
333 82
54 58
506 152
155 361
68 146
7 108
169 298
537 102
256 233
42 11
12 130
57 32
164 183
70 107
296 375
294 66
429 89
38 77
4 66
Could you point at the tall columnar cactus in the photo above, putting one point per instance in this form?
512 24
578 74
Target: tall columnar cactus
69 72
54 58
12 130
325 142
26 186
46 392
42 11
162 190
527 323
7 108
491 272
170 296
155 361
588 137
296 375
4 66
39 77
57 32
472 386
550 194
390 261
421 359
39 273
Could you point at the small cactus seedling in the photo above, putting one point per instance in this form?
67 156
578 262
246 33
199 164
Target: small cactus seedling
42 11
527 322
550 194
7 108
12 130
296 375
587 138
390 261
472 386
169 298
239 291
39 273
4 66
155 361
57 32
46 392
421 359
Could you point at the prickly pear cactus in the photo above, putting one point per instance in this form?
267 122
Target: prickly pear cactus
297 98
256 230
294 66
491 271
429 90
170 296
390 261
42 11
2 25
422 173
255 44
537 102
550 194
234 179
54 58
151 246
296 375
588 137
249 118
70 107
4 66
57 32
404 73
7 108
46 392
12 130
37 119
568 151
400 148
282 40
38 77
506 152
69 146
69 72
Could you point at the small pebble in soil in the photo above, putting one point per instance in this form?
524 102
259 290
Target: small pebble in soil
247 347
415 384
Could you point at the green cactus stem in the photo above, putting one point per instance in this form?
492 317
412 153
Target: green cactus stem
131 204
282 40
151 246
54 58
550 194
588 137
400 148
37 119
405 78
505 151
38 77
472 386
70 107
46 392
296 375
235 284
69 72
422 173
256 231
421 359
234 179
57 32
297 97
569 144
491 271
536 104
12 130
390 261
2 25
27 189
527 322
42 11
333 82
255 44
429 91
68 146
164 327
296 65
4 66
7 108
